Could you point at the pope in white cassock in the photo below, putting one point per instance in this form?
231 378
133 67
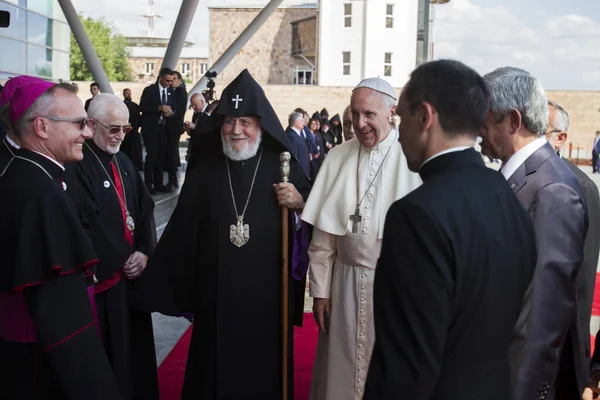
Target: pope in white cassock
356 185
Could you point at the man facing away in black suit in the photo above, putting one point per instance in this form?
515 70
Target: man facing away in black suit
157 105
458 253
558 126
547 356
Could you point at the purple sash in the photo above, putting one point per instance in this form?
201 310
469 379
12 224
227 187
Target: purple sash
15 322
300 252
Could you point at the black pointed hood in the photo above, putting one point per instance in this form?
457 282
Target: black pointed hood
244 97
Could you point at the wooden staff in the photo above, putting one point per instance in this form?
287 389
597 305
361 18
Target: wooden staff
285 158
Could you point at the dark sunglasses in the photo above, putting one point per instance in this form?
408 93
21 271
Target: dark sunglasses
82 122
114 130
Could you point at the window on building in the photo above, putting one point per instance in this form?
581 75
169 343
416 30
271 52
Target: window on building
345 62
387 64
149 68
203 68
389 16
185 69
347 15
303 76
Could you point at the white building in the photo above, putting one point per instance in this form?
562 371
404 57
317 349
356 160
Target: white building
367 38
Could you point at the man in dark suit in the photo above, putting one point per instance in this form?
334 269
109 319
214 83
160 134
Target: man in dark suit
94 90
156 105
175 128
547 355
132 144
300 143
558 125
458 253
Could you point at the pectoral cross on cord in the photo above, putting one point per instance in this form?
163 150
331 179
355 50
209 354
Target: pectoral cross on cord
355 218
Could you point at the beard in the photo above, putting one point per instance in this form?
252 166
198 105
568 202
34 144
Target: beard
248 151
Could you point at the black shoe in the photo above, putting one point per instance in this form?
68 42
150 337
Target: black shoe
152 192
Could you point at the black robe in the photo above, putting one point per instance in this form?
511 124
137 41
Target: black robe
47 259
127 331
132 144
6 153
235 293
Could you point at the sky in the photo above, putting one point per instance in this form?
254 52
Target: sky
558 41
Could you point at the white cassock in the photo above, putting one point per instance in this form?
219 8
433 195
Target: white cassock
342 263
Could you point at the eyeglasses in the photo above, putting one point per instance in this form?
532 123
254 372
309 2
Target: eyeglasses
114 130
82 122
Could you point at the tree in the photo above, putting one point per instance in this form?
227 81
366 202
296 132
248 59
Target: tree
110 48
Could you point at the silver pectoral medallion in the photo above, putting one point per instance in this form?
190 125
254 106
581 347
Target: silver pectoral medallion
239 234
130 223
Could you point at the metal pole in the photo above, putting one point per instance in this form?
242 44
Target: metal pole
237 45
180 31
89 54
426 32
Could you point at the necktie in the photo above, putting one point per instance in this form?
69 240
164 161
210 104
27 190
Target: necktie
163 99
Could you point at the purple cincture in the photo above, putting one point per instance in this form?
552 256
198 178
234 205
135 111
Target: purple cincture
300 252
16 324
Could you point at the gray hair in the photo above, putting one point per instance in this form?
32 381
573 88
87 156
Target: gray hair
561 118
515 89
104 103
294 117
43 106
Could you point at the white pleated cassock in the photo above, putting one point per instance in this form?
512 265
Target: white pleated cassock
342 263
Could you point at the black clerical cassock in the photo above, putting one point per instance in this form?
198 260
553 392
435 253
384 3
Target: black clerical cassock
50 346
234 292
111 190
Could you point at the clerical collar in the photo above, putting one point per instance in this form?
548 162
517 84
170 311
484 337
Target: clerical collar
51 159
441 153
385 143
50 165
450 160
11 142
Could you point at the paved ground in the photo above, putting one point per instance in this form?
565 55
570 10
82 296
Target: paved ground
168 330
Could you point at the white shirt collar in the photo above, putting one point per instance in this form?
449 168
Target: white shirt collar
51 159
297 131
517 159
11 142
441 153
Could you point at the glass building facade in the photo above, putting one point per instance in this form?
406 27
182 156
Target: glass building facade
37 42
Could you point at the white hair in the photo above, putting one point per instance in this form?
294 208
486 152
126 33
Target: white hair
247 152
561 118
102 104
515 89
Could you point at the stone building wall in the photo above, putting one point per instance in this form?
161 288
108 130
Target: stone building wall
267 55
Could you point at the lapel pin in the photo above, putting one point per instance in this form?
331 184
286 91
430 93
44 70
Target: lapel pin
106 184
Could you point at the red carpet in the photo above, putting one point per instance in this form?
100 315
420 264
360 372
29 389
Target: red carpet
170 372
